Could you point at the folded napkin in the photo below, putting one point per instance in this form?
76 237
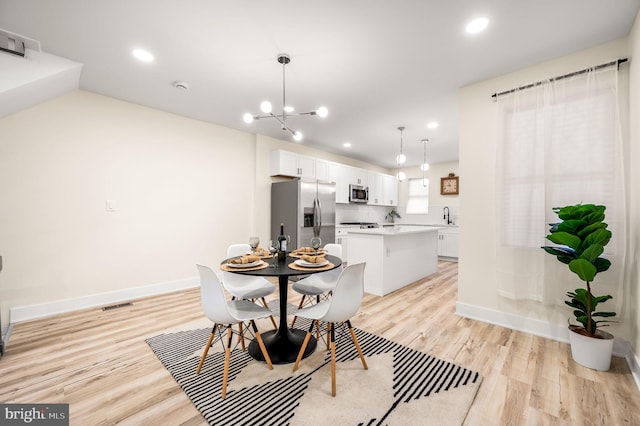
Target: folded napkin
247 258
262 252
304 250
313 259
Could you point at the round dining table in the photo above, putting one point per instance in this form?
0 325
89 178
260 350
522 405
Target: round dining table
284 343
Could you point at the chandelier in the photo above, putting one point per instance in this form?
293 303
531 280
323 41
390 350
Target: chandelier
287 111
401 159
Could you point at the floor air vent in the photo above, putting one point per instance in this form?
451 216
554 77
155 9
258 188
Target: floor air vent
120 305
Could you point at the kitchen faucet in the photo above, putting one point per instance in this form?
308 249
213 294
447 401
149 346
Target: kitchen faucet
446 215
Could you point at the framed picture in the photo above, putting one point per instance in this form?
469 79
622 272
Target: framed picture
450 185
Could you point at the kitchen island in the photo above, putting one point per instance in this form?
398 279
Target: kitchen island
396 256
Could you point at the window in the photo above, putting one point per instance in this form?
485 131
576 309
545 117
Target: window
418 202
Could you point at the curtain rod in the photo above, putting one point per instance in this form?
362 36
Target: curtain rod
560 77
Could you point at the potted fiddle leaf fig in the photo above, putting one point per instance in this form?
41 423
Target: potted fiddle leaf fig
581 236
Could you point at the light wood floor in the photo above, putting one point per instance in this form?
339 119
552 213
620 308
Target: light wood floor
98 362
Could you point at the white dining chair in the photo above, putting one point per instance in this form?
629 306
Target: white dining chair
321 284
342 306
224 314
244 286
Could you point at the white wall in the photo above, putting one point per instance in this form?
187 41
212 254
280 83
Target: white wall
183 189
633 255
477 280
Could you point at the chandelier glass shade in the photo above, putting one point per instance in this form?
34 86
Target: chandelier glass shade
287 110
401 159
424 166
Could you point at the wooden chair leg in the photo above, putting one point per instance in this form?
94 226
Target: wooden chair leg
263 348
273 321
333 361
304 346
299 306
206 349
355 342
227 357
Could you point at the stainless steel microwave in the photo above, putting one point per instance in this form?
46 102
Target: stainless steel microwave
358 194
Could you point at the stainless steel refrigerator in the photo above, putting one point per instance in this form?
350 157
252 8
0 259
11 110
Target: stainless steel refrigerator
306 208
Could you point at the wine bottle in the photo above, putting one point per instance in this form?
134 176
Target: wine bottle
282 240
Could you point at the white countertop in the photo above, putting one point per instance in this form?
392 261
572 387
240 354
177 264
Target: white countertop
396 230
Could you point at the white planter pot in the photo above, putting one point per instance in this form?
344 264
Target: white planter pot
590 351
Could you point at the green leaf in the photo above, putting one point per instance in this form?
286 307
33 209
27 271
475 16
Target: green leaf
565 239
600 236
589 229
559 251
601 264
592 252
571 226
583 268
603 314
601 299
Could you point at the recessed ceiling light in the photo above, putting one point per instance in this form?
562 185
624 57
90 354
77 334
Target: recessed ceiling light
477 25
347 144
432 125
143 55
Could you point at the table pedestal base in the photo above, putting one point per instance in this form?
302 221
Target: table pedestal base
283 348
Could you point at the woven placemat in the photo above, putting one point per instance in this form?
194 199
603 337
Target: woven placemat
320 268
227 268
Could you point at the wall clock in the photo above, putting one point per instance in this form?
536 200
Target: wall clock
450 185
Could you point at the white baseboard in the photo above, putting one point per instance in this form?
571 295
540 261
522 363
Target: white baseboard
29 312
544 329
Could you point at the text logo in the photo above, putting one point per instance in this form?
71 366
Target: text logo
34 414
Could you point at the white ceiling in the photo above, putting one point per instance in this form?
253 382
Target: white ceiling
376 64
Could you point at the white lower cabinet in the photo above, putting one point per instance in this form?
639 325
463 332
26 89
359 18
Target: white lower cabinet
342 238
448 242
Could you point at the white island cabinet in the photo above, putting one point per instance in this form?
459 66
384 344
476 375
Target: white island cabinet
396 256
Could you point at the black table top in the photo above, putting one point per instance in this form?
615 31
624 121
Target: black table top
282 268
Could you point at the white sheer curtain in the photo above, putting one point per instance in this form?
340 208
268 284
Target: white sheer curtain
559 143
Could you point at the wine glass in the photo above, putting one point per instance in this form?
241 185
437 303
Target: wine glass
254 242
274 245
316 242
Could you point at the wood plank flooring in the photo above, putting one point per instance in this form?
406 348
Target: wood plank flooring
98 362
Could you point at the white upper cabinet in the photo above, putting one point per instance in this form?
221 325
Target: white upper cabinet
358 176
322 170
383 189
285 163
389 190
375 189
339 173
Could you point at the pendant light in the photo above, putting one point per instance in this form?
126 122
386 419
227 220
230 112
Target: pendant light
424 166
401 159
287 111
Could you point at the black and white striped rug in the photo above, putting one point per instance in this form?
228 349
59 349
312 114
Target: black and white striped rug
401 387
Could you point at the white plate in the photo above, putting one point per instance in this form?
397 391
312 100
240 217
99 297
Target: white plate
245 265
306 264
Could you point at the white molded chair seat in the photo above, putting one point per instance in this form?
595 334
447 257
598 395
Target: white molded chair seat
245 286
344 304
321 283
224 314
